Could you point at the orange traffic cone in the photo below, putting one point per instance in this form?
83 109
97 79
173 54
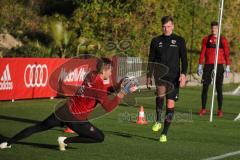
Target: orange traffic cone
141 117
68 130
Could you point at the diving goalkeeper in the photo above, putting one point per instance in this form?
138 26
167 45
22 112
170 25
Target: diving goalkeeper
77 109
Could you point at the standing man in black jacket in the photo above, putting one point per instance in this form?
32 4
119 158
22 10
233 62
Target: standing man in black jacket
167 52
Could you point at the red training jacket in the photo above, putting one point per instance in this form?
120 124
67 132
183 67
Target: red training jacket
208 50
93 91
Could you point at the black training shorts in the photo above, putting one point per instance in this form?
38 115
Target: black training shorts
171 84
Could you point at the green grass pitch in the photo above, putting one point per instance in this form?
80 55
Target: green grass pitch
190 137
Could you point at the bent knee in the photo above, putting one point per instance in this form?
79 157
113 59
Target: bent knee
170 103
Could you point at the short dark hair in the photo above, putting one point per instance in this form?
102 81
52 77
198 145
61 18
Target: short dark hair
166 19
214 23
103 62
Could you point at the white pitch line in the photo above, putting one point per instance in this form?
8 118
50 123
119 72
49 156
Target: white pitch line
223 156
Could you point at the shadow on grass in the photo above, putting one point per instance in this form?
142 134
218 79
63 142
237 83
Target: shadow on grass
41 145
128 135
226 115
18 119
24 120
37 145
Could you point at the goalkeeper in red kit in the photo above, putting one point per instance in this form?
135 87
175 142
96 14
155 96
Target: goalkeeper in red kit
78 108
207 57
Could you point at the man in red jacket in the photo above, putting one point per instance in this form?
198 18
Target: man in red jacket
208 54
75 113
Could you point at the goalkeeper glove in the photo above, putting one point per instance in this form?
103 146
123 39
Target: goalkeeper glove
129 85
200 70
227 70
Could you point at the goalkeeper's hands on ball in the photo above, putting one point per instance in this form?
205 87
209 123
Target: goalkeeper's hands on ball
128 85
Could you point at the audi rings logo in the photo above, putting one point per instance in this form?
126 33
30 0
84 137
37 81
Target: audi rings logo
36 75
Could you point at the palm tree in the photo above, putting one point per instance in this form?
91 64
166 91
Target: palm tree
61 38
